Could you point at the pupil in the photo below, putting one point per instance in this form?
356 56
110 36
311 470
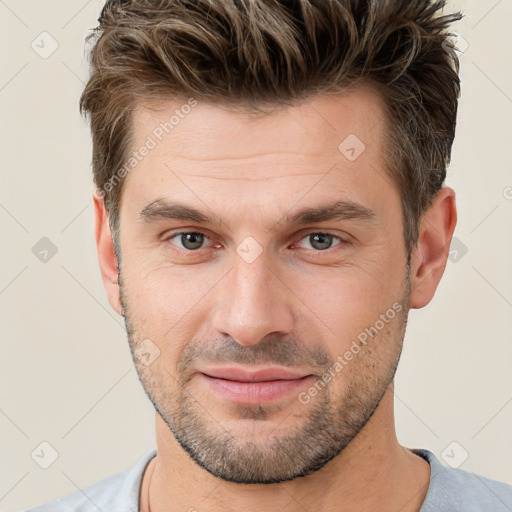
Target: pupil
322 237
192 240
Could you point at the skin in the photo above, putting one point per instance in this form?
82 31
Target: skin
294 305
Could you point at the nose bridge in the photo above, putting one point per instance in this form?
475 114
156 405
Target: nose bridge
254 302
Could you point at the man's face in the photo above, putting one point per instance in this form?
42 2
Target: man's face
254 289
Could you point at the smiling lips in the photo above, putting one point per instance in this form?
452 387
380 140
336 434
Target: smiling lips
253 387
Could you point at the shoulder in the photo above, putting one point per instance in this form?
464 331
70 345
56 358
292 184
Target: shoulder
453 489
119 492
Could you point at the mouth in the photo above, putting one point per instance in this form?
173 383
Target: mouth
260 375
264 385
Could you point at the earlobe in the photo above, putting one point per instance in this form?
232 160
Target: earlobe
428 259
106 254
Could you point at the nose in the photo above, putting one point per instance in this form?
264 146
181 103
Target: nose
254 302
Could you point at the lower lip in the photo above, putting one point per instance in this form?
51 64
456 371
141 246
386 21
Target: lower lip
254 392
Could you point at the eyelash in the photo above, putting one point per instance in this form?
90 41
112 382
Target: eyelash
342 241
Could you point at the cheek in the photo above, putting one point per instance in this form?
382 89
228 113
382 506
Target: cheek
165 301
348 304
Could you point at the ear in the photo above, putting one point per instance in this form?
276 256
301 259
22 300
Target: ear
428 259
106 254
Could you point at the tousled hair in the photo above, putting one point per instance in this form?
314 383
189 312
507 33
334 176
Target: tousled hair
253 54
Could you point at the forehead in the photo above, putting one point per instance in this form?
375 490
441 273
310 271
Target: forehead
199 130
331 144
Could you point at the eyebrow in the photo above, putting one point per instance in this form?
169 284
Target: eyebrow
161 209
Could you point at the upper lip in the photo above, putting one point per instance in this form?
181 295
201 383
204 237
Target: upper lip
264 374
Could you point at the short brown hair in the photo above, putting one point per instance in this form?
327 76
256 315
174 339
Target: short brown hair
250 53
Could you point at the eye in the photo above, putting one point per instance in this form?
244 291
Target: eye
323 241
193 241
189 240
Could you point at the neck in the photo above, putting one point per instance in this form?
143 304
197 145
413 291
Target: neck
373 473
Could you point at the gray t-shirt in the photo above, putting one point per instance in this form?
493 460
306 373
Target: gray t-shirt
450 490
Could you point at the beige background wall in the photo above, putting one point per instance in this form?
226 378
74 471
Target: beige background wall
67 375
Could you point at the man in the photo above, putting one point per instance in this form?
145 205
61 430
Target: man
269 206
